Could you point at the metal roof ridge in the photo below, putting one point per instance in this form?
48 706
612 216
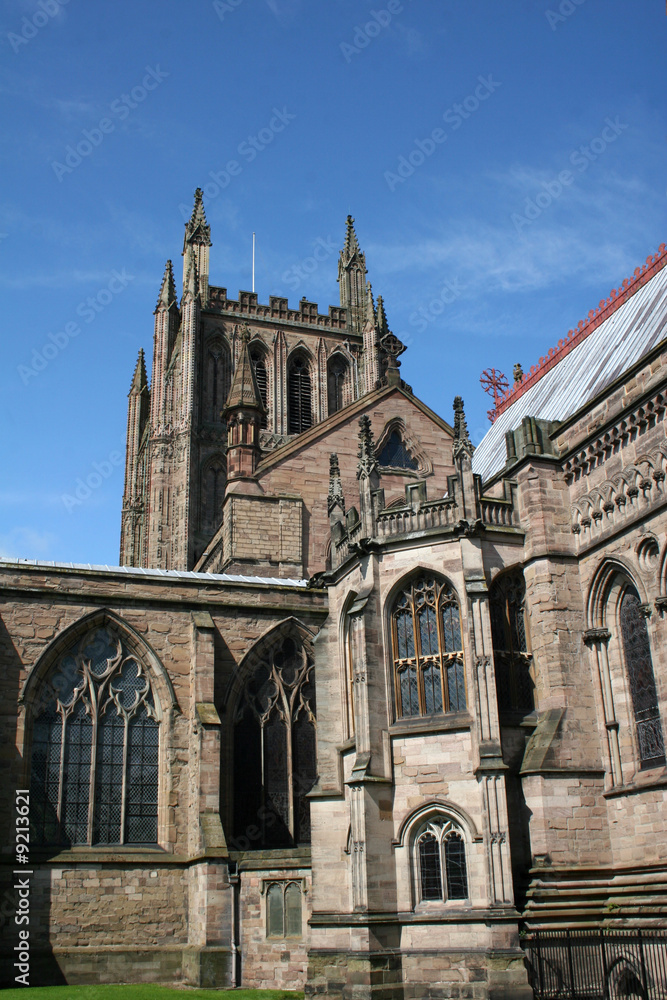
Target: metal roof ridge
607 307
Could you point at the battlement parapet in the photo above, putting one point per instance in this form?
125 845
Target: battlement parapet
277 309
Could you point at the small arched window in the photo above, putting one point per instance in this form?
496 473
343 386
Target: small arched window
514 684
336 376
299 394
258 362
639 665
94 757
394 454
283 910
427 645
441 862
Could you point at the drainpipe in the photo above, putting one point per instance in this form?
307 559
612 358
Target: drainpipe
234 881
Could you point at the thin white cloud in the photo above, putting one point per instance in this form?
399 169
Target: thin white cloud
26 543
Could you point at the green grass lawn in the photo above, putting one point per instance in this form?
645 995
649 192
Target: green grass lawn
139 992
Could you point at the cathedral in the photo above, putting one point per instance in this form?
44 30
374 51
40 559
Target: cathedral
363 710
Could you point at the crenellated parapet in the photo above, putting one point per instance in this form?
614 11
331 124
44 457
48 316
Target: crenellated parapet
278 309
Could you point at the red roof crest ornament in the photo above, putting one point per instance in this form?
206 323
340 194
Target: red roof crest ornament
496 384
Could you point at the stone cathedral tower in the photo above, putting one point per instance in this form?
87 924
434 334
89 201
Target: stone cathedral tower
306 365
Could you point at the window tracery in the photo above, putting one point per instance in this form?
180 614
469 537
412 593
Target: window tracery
429 674
395 455
441 862
95 738
639 665
283 909
274 748
514 684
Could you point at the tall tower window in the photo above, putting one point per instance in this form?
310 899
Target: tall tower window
299 405
337 370
639 665
514 684
217 380
95 734
261 374
429 675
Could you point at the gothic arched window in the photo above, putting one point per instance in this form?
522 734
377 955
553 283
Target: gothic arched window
283 910
336 376
274 749
639 665
394 454
428 649
214 478
441 862
514 684
257 359
95 735
299 393
217 379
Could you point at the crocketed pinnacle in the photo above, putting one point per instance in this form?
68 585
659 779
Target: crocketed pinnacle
381 318
370 305
367 463
139 379
462 442
244 393
197 229
351 242
335 496
168 287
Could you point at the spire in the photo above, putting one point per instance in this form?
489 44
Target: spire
139 379
197 230
462 442
167 294
352 279
367 464
335 498
244 392
351 242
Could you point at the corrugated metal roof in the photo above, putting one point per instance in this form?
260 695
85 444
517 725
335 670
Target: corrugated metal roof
622 339
171 574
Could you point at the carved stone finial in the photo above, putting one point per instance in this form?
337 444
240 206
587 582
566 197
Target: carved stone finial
367 463
518 372
197 229
462 442
139 379
335 498
245 334
351 242
167 294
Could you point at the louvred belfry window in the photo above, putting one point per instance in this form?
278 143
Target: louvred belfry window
261 374
429 674
299 404
637 651
95 740
514 684
274 750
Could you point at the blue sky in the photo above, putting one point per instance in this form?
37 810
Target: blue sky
530 136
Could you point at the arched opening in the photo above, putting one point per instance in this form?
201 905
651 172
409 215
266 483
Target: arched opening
299 395
639 667
395 455
217 379
258 362
337 371
213 481
514 683
440 859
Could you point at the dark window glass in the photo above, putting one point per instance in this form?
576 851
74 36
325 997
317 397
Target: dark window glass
395 455
259 366
455 866
429 867
637 649
514 684
336 374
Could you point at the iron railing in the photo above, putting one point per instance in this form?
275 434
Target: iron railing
598 964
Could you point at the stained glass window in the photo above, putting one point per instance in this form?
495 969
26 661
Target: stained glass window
283 910
637 650
428 649
441 849
514 684
274 750
394 454
95 735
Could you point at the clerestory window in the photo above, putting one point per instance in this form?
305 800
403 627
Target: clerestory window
429 675
95 740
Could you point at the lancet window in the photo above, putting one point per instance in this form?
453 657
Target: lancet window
429 674
336 375
514 684
274 749
259 365
441 862
214 477
94 757
639 665
217 379
283 910
299 393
